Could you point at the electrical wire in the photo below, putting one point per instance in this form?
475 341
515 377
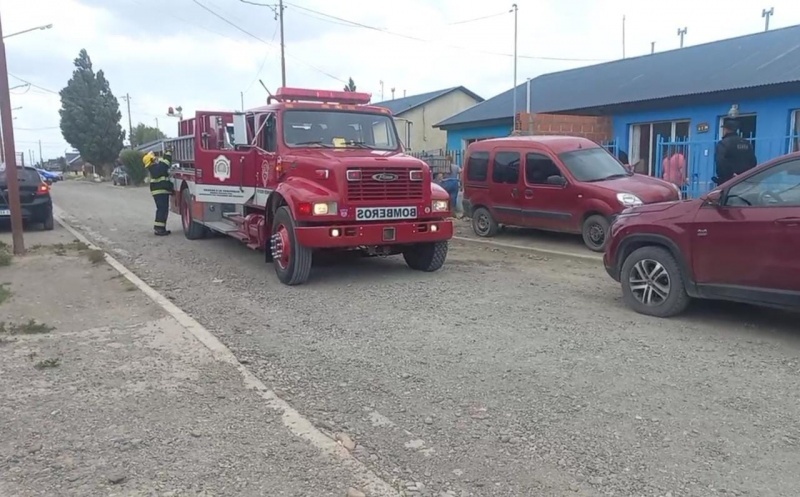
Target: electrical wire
422 40
33 85
257 38
476 19
264 60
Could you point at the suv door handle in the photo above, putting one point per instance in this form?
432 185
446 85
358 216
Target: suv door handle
528 193
789 221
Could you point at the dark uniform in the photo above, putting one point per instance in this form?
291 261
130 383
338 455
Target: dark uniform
161 188
733 155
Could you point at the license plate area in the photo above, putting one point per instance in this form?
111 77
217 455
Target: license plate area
389 234
385 213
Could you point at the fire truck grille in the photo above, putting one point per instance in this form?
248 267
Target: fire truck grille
384 184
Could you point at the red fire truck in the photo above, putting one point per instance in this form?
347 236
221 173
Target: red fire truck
312 170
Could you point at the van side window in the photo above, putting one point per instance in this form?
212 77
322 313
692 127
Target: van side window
506 167
539 167
478 166
270 134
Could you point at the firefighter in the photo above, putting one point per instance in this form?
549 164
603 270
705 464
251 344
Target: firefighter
161 189
733 155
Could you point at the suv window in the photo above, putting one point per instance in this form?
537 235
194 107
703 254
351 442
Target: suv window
478 166
506 168
778 186
539 167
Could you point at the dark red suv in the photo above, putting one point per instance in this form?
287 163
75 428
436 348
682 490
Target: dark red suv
740 242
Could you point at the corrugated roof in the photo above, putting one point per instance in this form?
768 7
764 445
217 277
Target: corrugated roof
405 104
760 59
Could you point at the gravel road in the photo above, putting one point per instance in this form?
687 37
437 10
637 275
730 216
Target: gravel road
505 374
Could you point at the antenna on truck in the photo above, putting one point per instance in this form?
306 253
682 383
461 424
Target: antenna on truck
265 88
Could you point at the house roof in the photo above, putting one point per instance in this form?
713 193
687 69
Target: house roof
72 157
405 104
755 60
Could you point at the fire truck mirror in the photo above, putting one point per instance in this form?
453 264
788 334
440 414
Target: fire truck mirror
240 130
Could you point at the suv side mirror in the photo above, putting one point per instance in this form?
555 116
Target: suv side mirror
556 180
713 198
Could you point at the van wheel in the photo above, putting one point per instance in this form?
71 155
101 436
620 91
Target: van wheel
653 283
428 257
595 232
483 224
191 229
292 261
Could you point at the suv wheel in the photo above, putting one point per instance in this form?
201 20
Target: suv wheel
595 232
483 224
653 283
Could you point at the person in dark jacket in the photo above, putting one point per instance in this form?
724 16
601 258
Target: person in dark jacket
161 189
733 155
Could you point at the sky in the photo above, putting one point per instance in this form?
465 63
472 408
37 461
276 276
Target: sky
210 54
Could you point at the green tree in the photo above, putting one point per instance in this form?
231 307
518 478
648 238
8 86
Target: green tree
351 85
132 160
90 116
143 133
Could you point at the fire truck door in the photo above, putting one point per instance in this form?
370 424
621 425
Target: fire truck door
268 142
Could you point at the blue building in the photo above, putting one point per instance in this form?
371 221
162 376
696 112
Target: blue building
665 102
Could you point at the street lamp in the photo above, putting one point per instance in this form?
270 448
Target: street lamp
42 28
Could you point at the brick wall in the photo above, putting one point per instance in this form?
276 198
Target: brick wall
595 128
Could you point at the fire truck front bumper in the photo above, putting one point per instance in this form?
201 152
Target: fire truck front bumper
389 233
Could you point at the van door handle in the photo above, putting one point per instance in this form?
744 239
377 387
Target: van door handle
514 192
788 221
528 193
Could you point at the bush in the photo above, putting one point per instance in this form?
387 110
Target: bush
132 160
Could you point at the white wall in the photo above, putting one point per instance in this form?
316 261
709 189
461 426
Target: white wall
423 135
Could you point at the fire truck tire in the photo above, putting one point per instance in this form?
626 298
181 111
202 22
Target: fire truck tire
293 267
191 229
426 257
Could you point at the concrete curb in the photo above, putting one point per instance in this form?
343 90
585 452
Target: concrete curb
366 479
558 253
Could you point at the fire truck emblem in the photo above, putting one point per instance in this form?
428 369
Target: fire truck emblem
384 177
222 168
343 212
264 172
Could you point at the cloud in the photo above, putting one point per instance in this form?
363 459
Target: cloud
169 53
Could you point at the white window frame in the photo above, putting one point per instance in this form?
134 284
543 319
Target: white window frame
722 121
794 134
635 134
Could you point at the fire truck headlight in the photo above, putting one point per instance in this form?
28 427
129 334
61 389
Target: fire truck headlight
439 206
324 208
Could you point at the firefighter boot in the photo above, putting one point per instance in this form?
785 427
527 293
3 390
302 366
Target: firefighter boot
161 232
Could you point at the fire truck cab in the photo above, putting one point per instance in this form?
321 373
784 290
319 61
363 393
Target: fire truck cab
312 170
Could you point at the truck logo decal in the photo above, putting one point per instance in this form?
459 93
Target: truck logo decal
384 177
343 212
222 168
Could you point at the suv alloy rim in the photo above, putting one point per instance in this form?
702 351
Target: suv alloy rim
649 282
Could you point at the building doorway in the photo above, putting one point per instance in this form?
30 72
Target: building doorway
747 125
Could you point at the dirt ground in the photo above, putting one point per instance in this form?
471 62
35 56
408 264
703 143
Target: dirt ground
102 393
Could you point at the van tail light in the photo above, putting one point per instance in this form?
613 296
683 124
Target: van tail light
354 175
415 175
43 189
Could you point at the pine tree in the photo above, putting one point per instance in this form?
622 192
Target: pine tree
90 115
351 85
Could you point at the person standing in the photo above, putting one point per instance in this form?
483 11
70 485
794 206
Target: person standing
450 182
733 155
674 167
160 188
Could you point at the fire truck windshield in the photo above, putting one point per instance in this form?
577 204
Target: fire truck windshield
339 129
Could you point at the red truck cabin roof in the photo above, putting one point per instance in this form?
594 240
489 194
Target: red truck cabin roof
556 143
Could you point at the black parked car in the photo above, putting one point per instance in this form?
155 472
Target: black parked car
37 206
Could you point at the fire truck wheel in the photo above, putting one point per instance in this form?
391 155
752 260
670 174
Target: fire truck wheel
191 229
292 261
426 257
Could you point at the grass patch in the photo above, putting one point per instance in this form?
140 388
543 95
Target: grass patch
48 363
5 257
96 256
29 328
5 293
64 248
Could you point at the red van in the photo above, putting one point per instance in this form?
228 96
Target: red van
554 183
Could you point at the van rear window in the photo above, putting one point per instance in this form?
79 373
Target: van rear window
478 166
24 175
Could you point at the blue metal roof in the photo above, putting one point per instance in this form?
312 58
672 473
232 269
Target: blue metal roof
761 59
405 104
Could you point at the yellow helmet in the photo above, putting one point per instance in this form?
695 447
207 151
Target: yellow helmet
148 159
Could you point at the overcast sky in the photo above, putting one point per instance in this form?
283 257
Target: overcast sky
175 52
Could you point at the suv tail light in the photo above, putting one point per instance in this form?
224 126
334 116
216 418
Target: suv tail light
43 189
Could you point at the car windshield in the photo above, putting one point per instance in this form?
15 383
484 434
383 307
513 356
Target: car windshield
593 164
24 175
339 129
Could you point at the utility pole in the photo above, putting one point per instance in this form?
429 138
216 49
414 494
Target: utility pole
681 33
127 98
30 153
6 120
381 90
652 47
766 14
283 45
623 36
241 96
157 124
515 9
41 160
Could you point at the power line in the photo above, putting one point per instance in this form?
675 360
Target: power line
16 128
257 38
422 40
33 85
505 12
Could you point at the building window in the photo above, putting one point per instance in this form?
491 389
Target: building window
794 135
747 125
644 138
